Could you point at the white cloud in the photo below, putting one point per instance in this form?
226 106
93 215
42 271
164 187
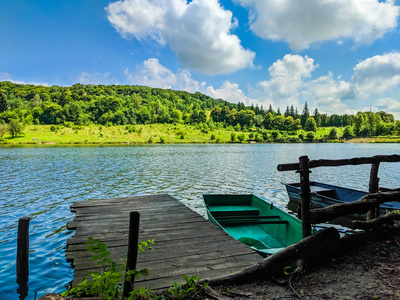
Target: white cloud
377 74
230 92
96 78
287 79
389 105
4 76
152 74
327 95
199 31
302 23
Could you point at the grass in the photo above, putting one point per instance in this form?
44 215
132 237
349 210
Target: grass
139 134
95 134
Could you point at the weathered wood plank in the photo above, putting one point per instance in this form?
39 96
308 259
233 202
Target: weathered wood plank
186 243
177 258
193 242
341 162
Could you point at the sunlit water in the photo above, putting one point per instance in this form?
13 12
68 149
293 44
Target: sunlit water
43 182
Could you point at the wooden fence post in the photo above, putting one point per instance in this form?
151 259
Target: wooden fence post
23 247
133 242
374 188
305 195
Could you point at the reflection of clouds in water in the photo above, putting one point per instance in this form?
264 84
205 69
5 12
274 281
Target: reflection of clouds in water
43 182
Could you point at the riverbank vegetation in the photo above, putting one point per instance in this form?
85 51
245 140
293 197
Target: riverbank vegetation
98 114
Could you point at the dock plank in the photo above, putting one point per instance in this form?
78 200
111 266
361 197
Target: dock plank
185 243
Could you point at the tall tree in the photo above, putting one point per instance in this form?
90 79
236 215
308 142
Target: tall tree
305 115
3 103
317 117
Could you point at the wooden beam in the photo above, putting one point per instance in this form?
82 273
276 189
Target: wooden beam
341 162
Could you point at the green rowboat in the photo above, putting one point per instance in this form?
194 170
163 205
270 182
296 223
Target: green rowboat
254 222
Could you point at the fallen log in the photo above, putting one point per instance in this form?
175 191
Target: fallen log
305 249
362 206
387 219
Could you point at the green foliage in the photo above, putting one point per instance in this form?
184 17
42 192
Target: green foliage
3 129
212 137
121 105
310 125
348 132
310 136
333 133
3 103
275 135
15 128
240 137
189 290
108 283
233 137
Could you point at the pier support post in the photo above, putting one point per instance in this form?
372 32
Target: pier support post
305 195
23 247
374 188
134 218
23 256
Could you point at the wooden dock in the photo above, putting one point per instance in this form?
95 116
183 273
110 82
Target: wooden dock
185 242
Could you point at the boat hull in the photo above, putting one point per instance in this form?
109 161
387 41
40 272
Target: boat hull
253 221
323 195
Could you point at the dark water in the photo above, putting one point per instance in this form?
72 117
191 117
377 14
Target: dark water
43 182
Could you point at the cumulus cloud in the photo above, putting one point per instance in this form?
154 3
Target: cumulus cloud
329 93
153 74
287 79
389 105
377 74
301 23
199 31
231 92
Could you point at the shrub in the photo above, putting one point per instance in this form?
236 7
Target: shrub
275 135
259 138
333 134
348 132
233 137
241 137
212 137
310 136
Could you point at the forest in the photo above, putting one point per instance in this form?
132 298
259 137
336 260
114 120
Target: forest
108 105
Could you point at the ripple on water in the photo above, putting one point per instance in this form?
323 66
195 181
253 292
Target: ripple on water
43 182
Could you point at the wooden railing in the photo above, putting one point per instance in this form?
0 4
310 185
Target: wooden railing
303 168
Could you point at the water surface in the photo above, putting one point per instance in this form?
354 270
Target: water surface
43 182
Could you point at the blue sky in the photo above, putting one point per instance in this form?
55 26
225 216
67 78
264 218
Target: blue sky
339 56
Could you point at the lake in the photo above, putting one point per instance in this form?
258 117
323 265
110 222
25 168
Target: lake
43 182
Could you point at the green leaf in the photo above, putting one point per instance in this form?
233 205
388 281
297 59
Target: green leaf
105 254
95 257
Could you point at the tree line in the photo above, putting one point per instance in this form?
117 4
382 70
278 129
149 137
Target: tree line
123 104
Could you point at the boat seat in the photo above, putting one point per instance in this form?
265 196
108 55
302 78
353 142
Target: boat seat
220 211
245 217
250 222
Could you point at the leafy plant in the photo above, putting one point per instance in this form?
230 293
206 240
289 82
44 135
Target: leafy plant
109 283
189 290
